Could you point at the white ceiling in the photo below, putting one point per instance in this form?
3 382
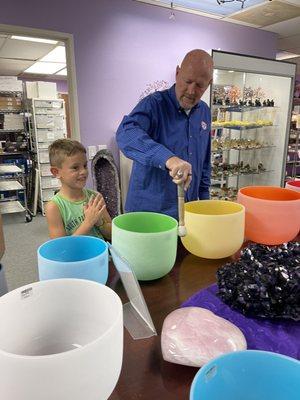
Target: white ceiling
16 55
288 35
262 15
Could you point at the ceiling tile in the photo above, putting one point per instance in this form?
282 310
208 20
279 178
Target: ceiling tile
289 42
21 49
285 28
268 13
13 67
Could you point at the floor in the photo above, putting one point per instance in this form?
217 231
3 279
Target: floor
22 241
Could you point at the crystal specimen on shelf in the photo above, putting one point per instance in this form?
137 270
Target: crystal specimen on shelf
234 93
193 336
264 282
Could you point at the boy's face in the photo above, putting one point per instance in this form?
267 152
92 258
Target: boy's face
73 171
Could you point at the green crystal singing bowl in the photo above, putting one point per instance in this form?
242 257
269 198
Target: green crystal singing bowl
148 241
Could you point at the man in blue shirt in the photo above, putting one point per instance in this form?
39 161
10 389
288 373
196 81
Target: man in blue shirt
167 135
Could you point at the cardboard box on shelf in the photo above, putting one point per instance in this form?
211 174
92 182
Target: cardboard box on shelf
10 99
10 84
42 90
10 103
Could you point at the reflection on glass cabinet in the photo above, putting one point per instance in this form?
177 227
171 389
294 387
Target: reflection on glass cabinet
249 121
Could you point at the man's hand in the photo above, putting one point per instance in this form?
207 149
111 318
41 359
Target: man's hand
180 171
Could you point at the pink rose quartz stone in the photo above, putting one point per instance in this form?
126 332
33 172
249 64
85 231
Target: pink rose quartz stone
193 336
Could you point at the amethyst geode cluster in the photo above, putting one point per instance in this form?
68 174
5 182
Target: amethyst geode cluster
264 282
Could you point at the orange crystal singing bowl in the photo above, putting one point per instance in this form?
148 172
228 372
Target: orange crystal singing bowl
272 214
293 185
215 228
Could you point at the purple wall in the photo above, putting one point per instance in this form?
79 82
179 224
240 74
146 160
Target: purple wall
122 45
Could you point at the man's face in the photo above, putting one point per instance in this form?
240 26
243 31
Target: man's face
191 83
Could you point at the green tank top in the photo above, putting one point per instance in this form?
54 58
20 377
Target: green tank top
72 213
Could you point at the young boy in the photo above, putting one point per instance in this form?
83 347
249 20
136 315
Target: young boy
74 210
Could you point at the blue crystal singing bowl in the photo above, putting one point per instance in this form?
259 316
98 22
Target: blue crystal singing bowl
81 257
248 375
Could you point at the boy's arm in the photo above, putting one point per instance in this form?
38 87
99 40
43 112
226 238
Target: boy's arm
55 224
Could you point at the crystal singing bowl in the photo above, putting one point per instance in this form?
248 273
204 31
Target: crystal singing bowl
272 214
215 228
82 257
293 185
148 241
60 339
248 375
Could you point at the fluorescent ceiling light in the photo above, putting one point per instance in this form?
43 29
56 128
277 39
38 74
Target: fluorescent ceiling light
285 55
63 72
44 68
33 39
58 54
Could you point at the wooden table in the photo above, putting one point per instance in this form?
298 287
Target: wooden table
145 375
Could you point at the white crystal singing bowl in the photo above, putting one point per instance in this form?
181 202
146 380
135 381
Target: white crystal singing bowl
60 340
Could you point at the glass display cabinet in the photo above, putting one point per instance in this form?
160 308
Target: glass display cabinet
250 100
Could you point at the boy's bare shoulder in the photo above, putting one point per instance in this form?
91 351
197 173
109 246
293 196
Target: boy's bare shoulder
51 207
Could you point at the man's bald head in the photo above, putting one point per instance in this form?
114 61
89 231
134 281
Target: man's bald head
193 77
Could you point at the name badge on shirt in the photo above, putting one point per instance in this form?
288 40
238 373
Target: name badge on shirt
203 125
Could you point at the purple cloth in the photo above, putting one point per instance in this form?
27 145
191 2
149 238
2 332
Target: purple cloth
280 336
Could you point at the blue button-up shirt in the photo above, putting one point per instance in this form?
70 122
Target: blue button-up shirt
157 129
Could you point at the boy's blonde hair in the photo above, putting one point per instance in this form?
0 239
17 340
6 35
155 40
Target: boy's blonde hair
62 148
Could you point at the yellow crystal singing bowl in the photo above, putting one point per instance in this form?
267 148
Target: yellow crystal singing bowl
215 228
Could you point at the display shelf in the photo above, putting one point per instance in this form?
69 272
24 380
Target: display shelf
11 130
10 207
10 110
12 92
241 128
250 99
10 185
237 108
222 176
47 123
7 153
246 149
9 169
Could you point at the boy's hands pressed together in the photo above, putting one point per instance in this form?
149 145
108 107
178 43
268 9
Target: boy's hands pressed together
94 210
95 213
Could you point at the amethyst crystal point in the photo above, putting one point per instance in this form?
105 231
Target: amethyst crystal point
264 282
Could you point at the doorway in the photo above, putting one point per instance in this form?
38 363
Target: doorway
36 68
